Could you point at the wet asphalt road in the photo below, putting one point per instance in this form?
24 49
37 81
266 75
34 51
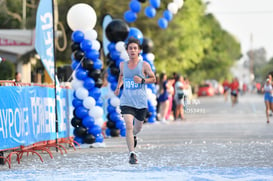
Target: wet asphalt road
214 135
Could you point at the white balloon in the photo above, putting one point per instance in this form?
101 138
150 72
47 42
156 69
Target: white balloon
75 84
124 55
149 92
81 93
90 34
154 103
151 57
96 45
89 102
115 101
172 7
96 112
179 3
120 46
81 16
99 121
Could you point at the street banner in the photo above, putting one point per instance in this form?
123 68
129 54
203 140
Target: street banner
44 36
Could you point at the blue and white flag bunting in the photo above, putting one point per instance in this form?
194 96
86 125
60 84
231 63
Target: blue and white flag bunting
44 35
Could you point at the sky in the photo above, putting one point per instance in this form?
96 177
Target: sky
243 18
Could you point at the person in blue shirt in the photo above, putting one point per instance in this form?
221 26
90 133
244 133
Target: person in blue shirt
134 74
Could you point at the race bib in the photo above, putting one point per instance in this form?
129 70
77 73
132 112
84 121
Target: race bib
130 84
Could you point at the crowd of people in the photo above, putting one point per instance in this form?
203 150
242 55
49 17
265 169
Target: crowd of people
172 96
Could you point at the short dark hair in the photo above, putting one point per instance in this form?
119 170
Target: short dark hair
133 40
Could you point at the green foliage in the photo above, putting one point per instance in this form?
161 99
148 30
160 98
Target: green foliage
194 44
7 70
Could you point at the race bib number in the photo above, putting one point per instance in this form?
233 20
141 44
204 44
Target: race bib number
130 84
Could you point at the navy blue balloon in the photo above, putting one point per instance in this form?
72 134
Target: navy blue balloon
167 15
99 138
81 74
86 45
118 61
81 112
76 102
88 122
97 64
163 23
136 33
135 6
92 54
155 3
150 11
130 16
77 36
89 83
94 130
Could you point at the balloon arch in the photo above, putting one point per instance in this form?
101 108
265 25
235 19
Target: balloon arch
89 103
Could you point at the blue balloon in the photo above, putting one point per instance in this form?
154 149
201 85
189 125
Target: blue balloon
150 11
114 116
81 74
108 132
99 102
136 33
95 93
151 119
111 109
92 54
89 83
111 47
77 36
130 16
155 3
163 23
78 140
99 138
97 64
88 122
118 61
113 86
86 45
120 124
94 130
167 15
135 6
81 112
123 132
75 64
76 102
115 54
111 78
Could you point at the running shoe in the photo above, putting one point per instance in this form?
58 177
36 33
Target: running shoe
133 159
135 141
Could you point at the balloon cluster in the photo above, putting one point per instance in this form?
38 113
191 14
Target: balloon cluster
149 57
116 32
150 11
87 79
169 12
